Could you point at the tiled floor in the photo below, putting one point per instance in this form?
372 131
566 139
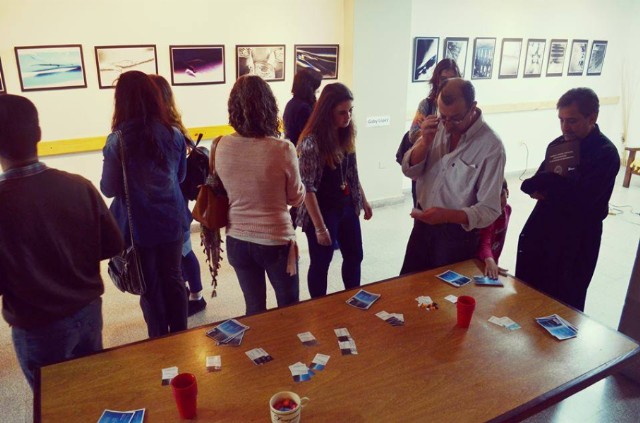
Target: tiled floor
615 399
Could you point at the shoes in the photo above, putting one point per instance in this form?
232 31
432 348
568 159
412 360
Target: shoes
196 306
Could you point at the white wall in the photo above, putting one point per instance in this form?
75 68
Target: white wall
572 19
376 42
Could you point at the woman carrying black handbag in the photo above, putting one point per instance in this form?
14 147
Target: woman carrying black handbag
155 160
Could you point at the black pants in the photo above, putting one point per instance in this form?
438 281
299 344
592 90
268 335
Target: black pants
432 246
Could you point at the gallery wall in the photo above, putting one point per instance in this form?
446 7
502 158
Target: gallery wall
376 47
531 130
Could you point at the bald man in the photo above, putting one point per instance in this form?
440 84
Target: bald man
458 165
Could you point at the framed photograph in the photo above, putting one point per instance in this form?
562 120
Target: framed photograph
483 52
578 57
321 58
266 61
510 57
197 65
456 49
425 58
534 58
50 67
3 87
596 59
113 61
557 53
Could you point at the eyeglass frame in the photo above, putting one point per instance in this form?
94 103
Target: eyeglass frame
455 122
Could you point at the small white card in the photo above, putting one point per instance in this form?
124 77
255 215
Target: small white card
307 339
214 363
320 361
451 298
168 374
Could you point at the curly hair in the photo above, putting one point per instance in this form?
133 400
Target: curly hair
166 94
333 144
435 81
253 111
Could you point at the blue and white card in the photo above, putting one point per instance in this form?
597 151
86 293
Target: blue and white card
453 278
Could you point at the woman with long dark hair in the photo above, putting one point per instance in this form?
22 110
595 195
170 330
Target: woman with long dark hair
299 108
155 160
334 196
190 264
261 177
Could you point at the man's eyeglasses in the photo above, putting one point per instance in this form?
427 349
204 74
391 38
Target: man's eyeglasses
456 121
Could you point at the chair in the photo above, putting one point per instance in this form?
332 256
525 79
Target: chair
633 166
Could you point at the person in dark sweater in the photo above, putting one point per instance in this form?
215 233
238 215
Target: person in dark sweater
559 245
55 228
299 108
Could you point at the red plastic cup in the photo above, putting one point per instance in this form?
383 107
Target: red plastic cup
465 305
185 392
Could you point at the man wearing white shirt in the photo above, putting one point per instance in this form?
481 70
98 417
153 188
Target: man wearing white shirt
458 165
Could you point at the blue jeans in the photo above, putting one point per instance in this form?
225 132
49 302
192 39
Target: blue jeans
191 272
251 261
344 227
164 304
69 337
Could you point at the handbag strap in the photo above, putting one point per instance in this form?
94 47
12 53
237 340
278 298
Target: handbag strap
212 155
126 184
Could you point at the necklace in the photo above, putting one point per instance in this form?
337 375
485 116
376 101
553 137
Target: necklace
344 186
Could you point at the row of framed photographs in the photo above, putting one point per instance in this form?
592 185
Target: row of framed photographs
62 66
426 56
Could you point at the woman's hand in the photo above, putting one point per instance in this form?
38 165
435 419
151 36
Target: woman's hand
491 268
368 211
323 237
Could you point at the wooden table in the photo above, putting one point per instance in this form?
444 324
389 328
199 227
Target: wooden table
427 369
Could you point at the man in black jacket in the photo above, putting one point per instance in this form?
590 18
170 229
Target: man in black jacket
559 245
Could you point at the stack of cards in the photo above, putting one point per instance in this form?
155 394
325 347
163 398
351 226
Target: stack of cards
453 278
486 281
558 327
229 332
363 299
168 374
319 362
505 322
427 303
111 416
300 372
213 363
258 356
394 319
307 339
345 342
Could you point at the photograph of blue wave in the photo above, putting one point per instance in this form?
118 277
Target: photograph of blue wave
323 59
51 67
192 65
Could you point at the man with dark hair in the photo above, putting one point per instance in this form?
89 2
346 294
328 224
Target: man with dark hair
458 165
55 228
559 245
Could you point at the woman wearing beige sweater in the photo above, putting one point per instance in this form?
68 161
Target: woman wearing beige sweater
261 176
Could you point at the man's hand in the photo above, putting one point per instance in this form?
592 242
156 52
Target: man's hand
491 268
428 128
432 216
368 211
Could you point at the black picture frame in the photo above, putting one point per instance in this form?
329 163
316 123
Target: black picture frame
484 49
578 57
113 61
456 48
510 53
270 60
425 58
322 58
197 64
51 67
596 58
556 57
534 57
3 85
